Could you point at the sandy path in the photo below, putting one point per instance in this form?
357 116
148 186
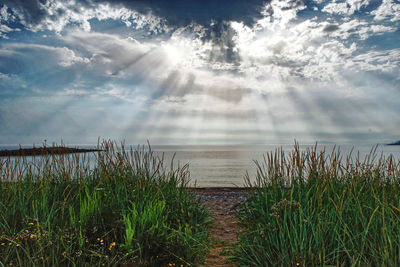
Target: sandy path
221 203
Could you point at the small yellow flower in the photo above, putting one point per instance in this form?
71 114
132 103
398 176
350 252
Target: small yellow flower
297 263
3 244
31 223
111 245
10 244
17 245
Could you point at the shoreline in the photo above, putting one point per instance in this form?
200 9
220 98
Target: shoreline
219 190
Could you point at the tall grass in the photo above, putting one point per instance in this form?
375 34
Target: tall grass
311 208
126 208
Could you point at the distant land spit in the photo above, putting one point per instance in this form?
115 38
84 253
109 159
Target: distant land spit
43 151
396 143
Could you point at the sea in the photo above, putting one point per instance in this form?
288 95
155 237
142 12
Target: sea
227 165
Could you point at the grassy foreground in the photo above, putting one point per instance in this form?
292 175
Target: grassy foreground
129 211
314 209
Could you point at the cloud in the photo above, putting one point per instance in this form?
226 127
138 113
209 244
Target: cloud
386 61
55 15
5 19
156 16
330 28
28 11
33 68
348 7
180 13
273 67
37 15
105 64
5 15
29 56
176 12
389 9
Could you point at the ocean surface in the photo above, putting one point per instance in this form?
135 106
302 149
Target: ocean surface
226 165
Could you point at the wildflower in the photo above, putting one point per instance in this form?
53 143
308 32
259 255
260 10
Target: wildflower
17 245
31 223
297 263
10 244
112 245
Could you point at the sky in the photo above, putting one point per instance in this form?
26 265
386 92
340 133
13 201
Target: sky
199 72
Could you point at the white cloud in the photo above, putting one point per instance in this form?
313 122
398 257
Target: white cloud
361 29
345 8
61 56
5 29
338 8
61 14
5 16
386 61
389 9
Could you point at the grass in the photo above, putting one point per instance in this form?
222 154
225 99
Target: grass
124 209
311 208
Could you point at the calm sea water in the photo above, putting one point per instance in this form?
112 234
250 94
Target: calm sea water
220 166
226 166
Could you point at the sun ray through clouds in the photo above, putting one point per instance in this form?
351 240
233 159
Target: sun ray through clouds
261 72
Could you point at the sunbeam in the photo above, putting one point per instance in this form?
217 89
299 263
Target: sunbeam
278 71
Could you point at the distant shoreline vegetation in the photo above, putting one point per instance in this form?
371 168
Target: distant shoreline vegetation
396 143
44 150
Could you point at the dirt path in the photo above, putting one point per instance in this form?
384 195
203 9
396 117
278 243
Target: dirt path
222 204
